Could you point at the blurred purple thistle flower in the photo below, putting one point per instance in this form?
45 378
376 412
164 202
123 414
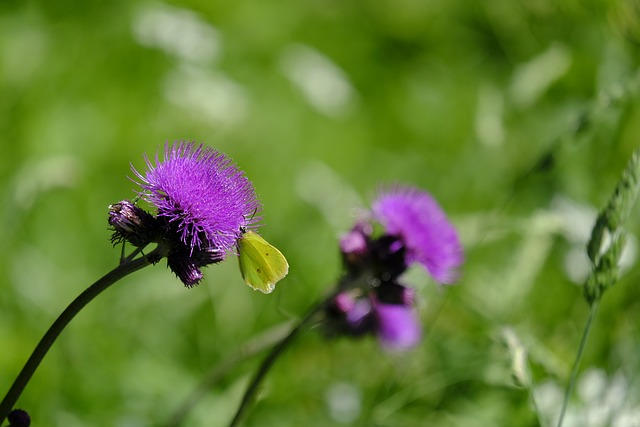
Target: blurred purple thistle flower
371 298
428 236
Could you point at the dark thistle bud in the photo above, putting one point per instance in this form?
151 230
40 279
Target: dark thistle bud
184 268
132 224
19 418
383 257
389 257
349 314
387 311
186 265
395 293
354 246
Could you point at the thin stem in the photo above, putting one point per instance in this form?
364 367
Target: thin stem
249 349
61 322
576 363
532 395
133 254
272 357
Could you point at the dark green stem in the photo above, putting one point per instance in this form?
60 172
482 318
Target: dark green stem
272 357
61 322
250 349
576 363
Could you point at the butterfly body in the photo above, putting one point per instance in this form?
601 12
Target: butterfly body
262 265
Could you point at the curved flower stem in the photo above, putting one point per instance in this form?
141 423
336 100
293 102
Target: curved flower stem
248 350
61 322
131 256
576 363
272 356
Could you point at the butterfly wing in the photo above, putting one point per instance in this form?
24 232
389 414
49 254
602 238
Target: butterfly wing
261 264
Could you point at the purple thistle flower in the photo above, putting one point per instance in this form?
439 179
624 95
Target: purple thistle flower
429 238
201 194
204 204
371 299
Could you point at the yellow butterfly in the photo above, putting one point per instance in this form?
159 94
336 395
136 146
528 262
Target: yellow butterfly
262 265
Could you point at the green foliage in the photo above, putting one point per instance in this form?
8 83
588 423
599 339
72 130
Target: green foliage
517 116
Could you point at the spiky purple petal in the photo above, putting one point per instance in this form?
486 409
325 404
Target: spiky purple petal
202 195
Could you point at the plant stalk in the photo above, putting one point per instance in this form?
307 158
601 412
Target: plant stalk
272 357
61 322
576 364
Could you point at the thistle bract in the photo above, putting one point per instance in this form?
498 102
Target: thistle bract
132 224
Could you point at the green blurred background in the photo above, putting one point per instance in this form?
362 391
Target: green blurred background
517 116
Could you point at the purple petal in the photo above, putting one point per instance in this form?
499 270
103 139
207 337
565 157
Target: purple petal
201 194
353 242
430 239
397 325
356 241
344 302
356 317
355 310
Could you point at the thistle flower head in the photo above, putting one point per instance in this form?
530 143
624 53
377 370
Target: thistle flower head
418 221
201 194
370 298
203 201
